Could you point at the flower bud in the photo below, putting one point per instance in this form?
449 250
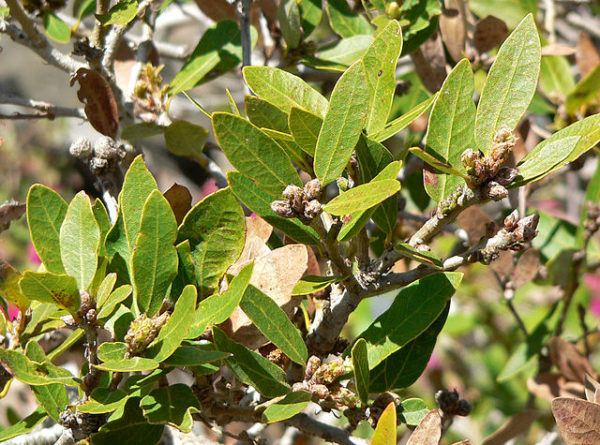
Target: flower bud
510 222
292 191
469 158
81 149
312 209
393 10
506 176
312 189
282 208
311 367
496 192
342 184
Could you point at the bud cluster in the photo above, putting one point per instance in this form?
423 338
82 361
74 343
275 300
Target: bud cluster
320 379
490 170
104 156
87 310
149 95
451 404
82 425
515 233
142 331
300 203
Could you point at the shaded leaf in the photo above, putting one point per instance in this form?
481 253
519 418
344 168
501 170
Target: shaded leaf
403 121
172 405
142 130
343 52
435 163
342 124
186 139
194 356
490 32
56 28
586 90
510 84
413 411
35 374
360 365
252 368
100 104
305 128
311 284
116 297
9 286
134 364
270 319
311 12
180 200
265 115
288 15
24 426
120 14
344 22
289 406
46 211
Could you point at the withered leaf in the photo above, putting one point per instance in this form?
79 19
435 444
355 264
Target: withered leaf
592 389
557 49
489 33
217 9
100 104
474 220
516 425
453 28
180 200
527 268
429 431
587 56
10 212
258 232
430 63
578 420
568 360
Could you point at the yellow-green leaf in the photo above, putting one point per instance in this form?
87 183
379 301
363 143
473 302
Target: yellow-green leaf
385 432
360 365
362 197
48 287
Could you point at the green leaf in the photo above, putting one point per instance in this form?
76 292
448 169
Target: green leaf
142 130
172 405
80 240
25 426
35 374
362 197
284 90
305 127
510 84
137 187
289 406
450 129
311 12
414 309
254 154
272 321
360 364
194 356
47 287
385 432
103 220
542 162
46 211
346 51
216 230
112 351
219 49
394 127
66 345
120 14
102 400
186 139
424 257
511 11
344 22
586 90
556 79
435 163
252 368
56 29
117 296
219 307
129 426
105 288
291 148
53 397
380 66
404 367
174 331
265 115
154 260
413 411
260 203
9 286
311 284
288 15
134 364
342 124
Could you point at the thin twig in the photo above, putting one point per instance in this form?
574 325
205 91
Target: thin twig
46 436
46 110
243 10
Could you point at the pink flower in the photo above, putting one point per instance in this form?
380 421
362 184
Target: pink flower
13 312
33 255
210 186
434 363
595 306
592 282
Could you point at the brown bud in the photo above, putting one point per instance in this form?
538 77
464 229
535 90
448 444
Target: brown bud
506 175
91 315
312 189
469 159
292 191
496 192
81 149
312 209
510 222
105 148
320 391
282 208
526 228
311 367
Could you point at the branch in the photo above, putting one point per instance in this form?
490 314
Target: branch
46 436
243 10
46 110
47 52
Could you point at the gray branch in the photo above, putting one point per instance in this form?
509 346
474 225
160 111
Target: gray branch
45 110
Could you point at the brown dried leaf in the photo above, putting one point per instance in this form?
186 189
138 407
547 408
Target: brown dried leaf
10 212
568 360
489 33
545 386
430 63
276 274
217 9
429 431
453 28
592 389
578 420
587 56
527 268
473 220
513 427
504 265
258 232
180 200
556 49
100 104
